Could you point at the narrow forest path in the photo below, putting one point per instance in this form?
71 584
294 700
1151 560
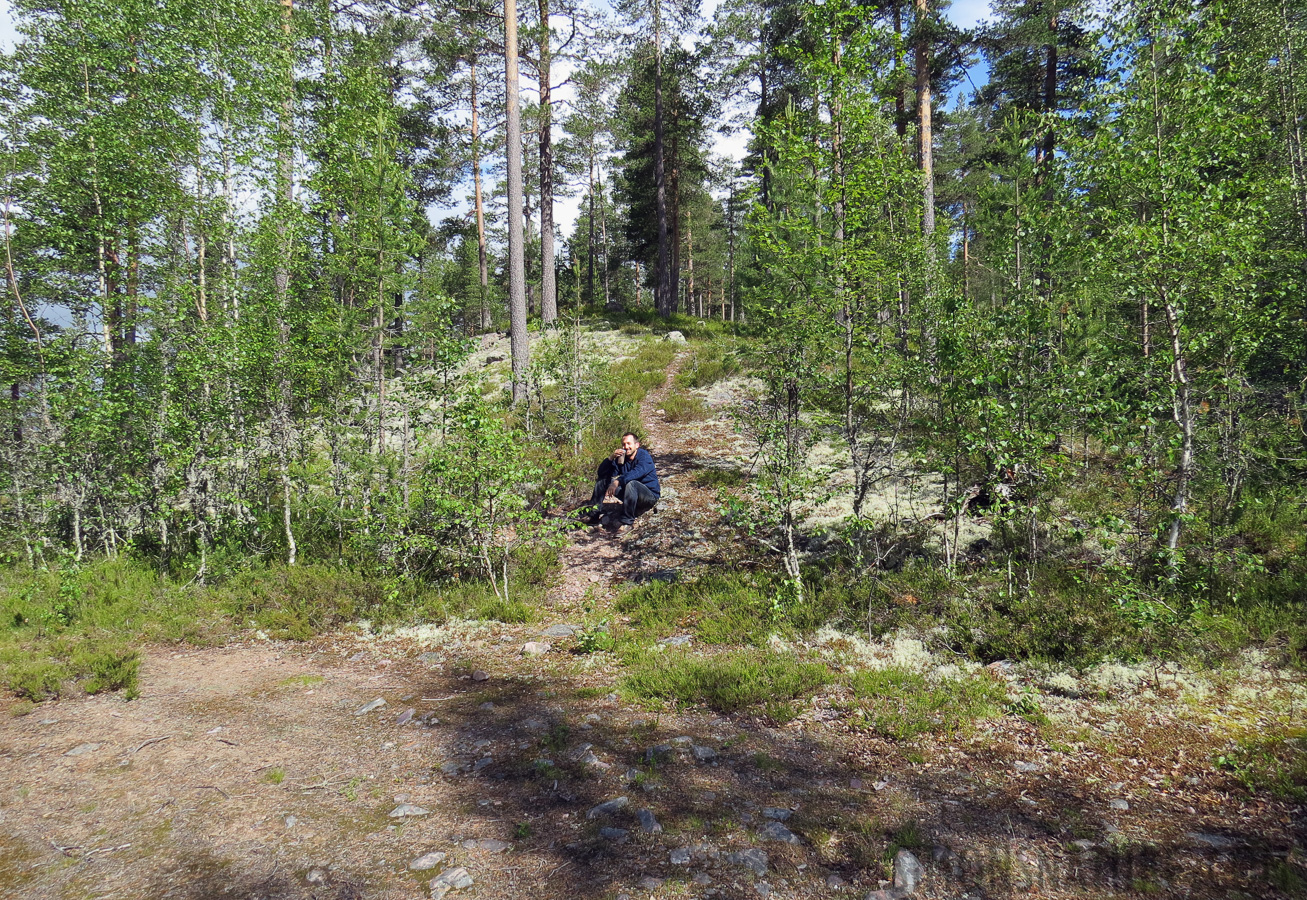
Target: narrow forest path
669 540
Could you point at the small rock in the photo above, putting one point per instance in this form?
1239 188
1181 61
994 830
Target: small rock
533 725
487 706
752 859
1026 767
83 749
701 878
776 813
450 879
855 784
614 834
536 648
480 675
359 657
649 883
908 871
835 882
427 861
1215 841
683 741
370 707
608 807
408 809
430 659
489 845
648 822
657 753
559 631
891 894
1118 803
674 337
763 889
680 856
775 831
482 763
316 876
406 716
291 821
1084 846
702 753
453 767
589 759
677 640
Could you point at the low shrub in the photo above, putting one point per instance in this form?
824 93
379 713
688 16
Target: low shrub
727 682
901 705
685 408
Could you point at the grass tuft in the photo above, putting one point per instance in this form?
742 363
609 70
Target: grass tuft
901 705
726 683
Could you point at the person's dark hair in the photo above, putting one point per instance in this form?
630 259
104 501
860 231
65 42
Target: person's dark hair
635 437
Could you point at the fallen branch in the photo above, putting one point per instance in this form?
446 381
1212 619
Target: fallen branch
212 787
141 746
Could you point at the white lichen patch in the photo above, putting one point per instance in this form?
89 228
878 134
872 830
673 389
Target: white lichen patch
451 633
900 650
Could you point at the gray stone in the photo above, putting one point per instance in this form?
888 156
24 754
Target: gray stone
370 707
536 648
649 883
427 861
408 809
658 753
752 859
701 878
291 821
890 894
453 767
608 807
1118 803
316 876
677 640
406 716
835 882
533 725
487 706
683 741
908 871
649 823
775 831
560 631
776 813
450 879
482 763
1026 767
763 889
614 834
680 856
83 749
359 657
480 675
430 658
702 753
674 337
1215 841
489 845
1084 846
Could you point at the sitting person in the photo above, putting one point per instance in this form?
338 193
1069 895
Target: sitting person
627 476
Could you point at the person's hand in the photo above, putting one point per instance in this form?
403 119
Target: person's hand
619 455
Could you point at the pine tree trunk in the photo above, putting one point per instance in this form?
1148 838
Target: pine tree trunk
516 250
548 286
663 298
482 265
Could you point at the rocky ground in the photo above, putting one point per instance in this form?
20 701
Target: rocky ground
484 760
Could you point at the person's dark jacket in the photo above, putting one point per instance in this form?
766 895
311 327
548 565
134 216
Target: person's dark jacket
641 469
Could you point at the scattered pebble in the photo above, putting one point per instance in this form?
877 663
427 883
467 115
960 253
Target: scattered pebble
649 883
648 822
1026 767
560 630
83 749
701 878
370 707
431 659
408 809
536 648
489 845
680 856
359 657
482 763
487 706
777 813
406 716
676 640
1215 841
480 675
763 889
775 831
614 834
291 821
1119 804
908 871
427 861
702 753
835 882
450 879
752 859
608 807
316 876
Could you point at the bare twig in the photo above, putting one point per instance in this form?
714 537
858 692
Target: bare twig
211 787
141 746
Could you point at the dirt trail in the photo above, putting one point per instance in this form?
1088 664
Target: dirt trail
258 770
